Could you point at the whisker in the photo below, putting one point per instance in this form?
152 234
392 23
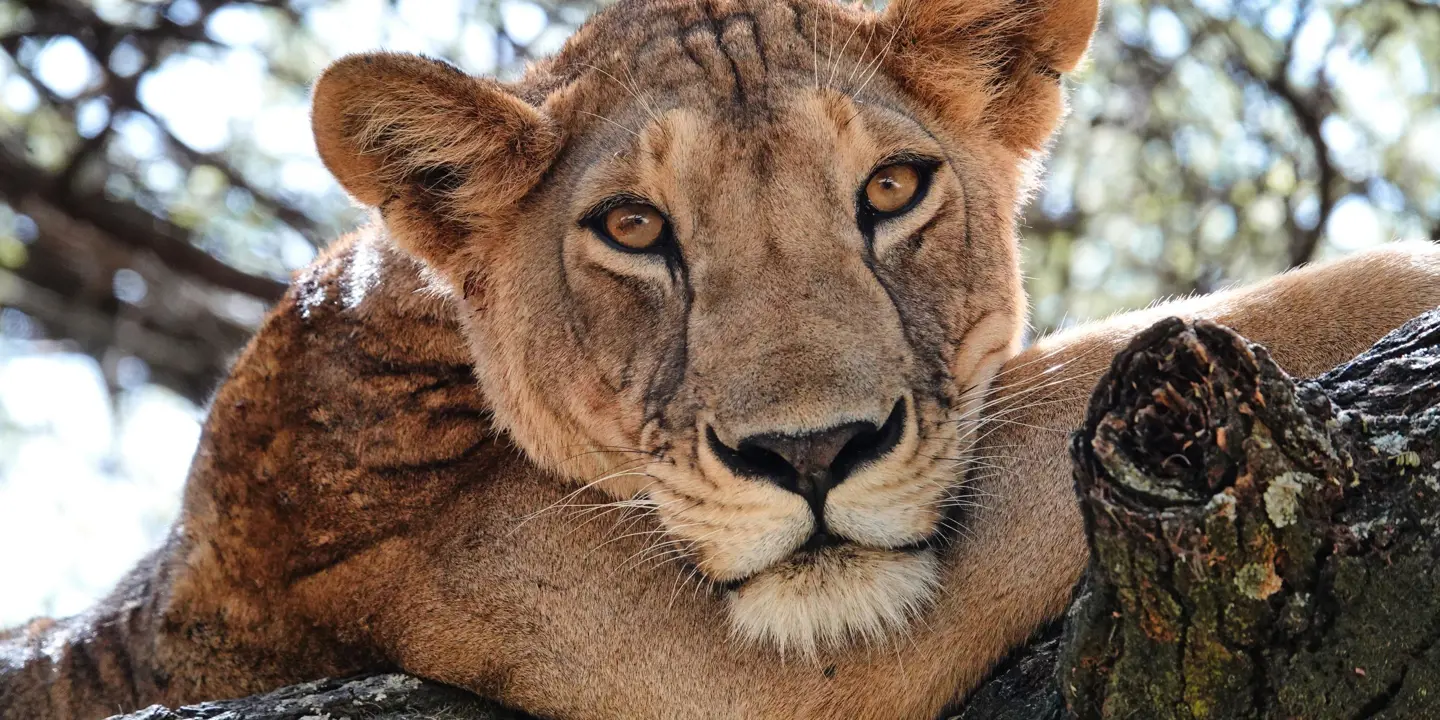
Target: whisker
638 98
612 122
604 478
1010 395
1005 401
966 461
815 50
835 62
879 59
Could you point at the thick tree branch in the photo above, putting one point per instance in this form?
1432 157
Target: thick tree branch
377 697
1260 547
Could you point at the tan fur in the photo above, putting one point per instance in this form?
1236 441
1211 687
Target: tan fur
554 536
615 370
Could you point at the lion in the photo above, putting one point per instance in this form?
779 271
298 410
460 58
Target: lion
682 377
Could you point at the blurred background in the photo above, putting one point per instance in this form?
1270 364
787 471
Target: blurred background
158 185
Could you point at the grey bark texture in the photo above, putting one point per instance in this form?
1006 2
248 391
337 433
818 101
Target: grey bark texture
374 697
1261 547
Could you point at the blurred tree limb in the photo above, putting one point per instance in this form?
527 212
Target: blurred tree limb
67 283
22 184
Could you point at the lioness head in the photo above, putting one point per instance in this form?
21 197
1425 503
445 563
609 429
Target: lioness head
751 263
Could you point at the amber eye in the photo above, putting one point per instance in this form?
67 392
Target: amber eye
634 226
892 187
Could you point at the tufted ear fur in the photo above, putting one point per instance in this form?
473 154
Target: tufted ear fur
432 147
995 63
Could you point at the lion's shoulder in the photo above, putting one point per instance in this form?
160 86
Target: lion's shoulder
359 375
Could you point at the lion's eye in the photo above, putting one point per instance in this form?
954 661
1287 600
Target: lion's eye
634 226
893 188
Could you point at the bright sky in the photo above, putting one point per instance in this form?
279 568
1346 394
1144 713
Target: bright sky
86 490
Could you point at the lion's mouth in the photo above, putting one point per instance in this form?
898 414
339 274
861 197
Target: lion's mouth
823 545
820 540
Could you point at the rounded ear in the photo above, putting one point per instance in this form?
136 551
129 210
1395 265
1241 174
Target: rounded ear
426 143
994 62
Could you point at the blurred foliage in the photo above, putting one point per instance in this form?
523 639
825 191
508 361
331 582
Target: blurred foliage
158 182
1214 142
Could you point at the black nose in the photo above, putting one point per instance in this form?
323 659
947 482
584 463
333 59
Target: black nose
812 463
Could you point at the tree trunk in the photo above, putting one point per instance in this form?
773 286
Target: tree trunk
1260 547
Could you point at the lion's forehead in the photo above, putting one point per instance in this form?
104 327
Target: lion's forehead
734 53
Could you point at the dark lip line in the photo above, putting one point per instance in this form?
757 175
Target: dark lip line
921 545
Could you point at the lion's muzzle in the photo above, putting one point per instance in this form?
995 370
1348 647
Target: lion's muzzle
810 464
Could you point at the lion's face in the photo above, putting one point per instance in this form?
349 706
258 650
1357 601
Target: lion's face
779 369
751 264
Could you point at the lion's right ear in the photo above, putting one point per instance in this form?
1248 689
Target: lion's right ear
993 62
426 143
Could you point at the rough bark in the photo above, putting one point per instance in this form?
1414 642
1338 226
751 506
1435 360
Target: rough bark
1023 686
1261 547
376 697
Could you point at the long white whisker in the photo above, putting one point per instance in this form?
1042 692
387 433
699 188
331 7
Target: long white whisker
835 62
604 478
612 122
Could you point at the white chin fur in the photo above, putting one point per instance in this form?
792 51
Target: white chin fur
833 598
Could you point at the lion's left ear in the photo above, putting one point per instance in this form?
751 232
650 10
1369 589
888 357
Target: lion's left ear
432 147
993 62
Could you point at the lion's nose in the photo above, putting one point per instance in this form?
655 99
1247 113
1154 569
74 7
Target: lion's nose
812 463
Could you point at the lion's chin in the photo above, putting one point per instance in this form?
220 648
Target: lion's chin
833 596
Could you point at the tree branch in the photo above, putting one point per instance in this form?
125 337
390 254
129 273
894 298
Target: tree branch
377 697
1260 547
131 226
